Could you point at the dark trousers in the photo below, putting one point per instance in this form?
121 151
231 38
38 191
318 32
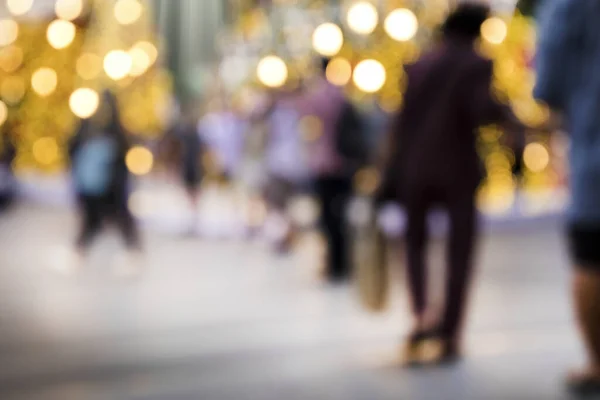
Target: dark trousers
334 194
459 253
96 210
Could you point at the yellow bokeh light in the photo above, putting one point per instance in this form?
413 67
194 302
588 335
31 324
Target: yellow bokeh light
19 7
140 61
11 59
9 31
272 71
12 89
89 66
128 12
117 64
3 113
45 150
369 76
536 157
139 160
339 71
149 49
68 9
44 81
401 25
328 39
362 18
84 102
494 30
60 33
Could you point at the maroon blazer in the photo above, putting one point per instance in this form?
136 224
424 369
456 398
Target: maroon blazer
447 99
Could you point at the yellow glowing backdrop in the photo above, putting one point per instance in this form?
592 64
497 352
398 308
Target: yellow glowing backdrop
51 72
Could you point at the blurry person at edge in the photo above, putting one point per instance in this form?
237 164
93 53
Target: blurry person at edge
433 162
568 80
7 178
101 182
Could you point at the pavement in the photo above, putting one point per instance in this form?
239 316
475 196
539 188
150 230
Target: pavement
228 320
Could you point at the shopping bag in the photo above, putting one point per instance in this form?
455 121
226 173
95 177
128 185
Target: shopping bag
369 256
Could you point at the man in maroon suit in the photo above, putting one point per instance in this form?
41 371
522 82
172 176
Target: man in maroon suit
435 163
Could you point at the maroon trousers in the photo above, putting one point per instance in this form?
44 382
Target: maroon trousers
460 204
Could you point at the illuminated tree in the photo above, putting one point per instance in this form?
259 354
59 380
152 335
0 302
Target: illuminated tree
52 72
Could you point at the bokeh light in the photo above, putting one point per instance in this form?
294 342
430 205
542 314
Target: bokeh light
536 157
401 25
139 160
68 9
11 59
44 81
12 89
128 12
328 39
369 76
19 7
149 49
339 71
84 102
9 31
362 18
117 64
89 66
272 71
60 33
140 61
494 30
45 150
3 113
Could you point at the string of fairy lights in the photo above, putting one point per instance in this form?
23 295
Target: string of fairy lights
53 69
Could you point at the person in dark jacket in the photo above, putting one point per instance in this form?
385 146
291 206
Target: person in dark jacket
100 176
436 164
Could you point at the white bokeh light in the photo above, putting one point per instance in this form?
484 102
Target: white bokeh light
401 25
369 76
328 39
272 71
363 17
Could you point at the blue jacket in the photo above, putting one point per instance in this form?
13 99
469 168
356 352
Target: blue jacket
568 80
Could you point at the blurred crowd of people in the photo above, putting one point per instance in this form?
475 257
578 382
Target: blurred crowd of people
427 155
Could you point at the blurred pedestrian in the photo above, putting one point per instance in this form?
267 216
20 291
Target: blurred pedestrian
435 163
568 81
101 177
286 165
223 132
182 151
335 152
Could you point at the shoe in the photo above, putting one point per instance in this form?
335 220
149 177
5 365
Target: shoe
417 347
448 354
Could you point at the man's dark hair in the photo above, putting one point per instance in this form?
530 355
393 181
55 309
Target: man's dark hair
465 21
